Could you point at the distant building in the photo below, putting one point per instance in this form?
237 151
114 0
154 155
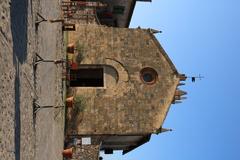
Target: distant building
115 13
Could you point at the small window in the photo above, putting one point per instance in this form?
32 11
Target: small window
148 75
87 77
118 9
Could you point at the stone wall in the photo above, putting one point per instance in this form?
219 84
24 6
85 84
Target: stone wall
83 151
22 134
88 152
16 50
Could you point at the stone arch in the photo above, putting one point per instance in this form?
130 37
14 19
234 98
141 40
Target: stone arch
122 86
122 71
111 77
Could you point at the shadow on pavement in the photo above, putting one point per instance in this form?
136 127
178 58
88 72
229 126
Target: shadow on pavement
19 27
17 133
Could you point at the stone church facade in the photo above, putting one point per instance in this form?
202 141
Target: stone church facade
122 83
125 82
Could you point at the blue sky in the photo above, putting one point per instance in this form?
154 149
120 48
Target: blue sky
200 37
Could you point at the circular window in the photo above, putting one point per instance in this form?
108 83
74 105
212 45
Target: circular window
148 75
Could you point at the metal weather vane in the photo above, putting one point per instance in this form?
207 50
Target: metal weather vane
194 78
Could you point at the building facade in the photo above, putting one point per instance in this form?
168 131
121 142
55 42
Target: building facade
122 83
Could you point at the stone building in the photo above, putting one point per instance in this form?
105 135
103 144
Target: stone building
123 84
118 12
115 13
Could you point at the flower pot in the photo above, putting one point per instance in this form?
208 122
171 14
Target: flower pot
69 101
67 153
74 66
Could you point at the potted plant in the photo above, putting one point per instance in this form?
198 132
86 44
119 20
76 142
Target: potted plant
69 101
68 153
79 104
77 101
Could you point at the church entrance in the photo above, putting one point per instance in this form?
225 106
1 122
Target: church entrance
87 77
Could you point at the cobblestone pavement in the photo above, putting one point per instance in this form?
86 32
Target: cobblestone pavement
20 137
